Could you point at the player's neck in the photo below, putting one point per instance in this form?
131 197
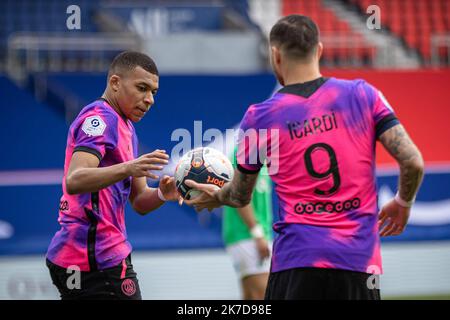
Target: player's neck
301 73
112 102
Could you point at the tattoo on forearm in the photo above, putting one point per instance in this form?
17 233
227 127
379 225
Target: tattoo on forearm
409 182
398 143
401 147
239 192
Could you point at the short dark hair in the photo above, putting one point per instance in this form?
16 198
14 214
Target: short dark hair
296 35
128 60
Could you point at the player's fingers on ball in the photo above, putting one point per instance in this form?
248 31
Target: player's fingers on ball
212 188
191 183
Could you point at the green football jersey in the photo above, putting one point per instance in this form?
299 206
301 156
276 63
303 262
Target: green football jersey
233 227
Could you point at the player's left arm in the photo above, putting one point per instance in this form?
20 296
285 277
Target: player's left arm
144 199
399 145
395 214
236 193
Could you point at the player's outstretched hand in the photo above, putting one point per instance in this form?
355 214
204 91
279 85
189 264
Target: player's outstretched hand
169 189
392 219
208 197
141 166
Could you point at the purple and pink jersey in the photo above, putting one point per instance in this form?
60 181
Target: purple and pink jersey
93 234
323 168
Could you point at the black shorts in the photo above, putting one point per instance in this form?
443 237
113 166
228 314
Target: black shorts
117 283
321 284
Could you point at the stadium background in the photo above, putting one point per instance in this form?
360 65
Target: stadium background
213 64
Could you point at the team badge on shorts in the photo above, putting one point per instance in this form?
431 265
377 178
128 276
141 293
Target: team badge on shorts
128 287
93 126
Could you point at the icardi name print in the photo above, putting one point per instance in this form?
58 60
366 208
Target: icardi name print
315 125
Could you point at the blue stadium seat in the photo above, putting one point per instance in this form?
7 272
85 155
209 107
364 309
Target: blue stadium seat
33 128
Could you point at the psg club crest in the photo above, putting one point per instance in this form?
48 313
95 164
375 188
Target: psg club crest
128 287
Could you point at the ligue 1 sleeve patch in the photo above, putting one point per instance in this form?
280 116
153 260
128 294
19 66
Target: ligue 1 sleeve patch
94 126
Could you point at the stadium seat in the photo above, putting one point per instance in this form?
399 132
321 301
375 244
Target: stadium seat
331 27
415 22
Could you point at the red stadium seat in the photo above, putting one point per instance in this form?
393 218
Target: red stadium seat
414 21
331 26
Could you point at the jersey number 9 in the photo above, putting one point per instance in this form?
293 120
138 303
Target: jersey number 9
333 170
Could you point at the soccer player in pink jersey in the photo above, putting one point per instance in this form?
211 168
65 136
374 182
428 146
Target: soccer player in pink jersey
318 137
102 171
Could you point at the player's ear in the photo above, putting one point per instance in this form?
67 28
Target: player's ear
114 82
319 50
276 55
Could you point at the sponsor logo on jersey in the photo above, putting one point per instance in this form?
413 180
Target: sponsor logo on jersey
327 207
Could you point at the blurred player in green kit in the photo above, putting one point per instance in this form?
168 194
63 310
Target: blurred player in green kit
247 235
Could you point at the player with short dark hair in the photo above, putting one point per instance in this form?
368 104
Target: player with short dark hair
128 60
102 171
297 36
318 137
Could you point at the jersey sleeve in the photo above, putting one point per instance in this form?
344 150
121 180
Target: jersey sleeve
248 157
383 114
135 144
96 133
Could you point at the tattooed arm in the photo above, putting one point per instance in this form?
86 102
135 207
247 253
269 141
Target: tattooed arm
400 146
236 193
395 214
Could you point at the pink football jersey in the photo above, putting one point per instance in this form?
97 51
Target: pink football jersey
93 234
318 139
